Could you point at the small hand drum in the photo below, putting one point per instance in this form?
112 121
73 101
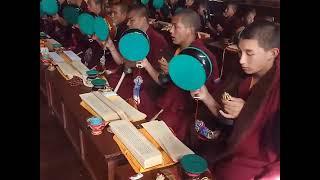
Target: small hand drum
190 69
92 74
134 45
71 13
98 84
193 165
86 23
49 7
42 13
157 4
101 28
144 2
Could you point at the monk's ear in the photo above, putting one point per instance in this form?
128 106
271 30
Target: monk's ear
191 30
274 52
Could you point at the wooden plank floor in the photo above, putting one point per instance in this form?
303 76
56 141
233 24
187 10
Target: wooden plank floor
58 160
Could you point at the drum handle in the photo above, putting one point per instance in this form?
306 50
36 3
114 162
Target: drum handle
224 51
139 65
119 82
196 98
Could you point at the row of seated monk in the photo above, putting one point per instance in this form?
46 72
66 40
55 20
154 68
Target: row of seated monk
238 135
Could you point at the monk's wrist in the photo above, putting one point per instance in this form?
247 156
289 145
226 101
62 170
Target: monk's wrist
208 100
112 49
148 66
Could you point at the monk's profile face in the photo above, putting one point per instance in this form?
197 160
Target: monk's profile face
172 2
179 31
117 15
135 21
250 18
200 10
229 11
253 58
61 1
189 2
94 7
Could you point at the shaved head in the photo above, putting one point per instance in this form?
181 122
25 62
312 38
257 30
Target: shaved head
123 6
189 19
138 17
140 10
266 33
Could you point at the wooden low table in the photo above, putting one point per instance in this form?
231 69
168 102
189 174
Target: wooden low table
100 154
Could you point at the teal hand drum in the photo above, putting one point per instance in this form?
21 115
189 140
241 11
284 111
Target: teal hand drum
71 13
157 4
101 28
190 69
144 2
86 23
41 11
98 84
134 45
49 7
92 74
193 165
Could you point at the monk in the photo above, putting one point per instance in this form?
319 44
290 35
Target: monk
150 90
63 31
236 138
226 25
246 19
119 17
170 7
106 9
76 34
91 50
119 13
57 27
177 105
202 11
192 4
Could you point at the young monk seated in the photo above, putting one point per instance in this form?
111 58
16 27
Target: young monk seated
150 90
233 138
119 16
191 4
57 27
170 7
106 8
202 11
92 51
226 25
119 19
76 34
161 14
177 104
246 19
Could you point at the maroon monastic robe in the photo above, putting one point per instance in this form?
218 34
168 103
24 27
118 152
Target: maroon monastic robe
149 90
229 25
110 63
241 156
178 104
